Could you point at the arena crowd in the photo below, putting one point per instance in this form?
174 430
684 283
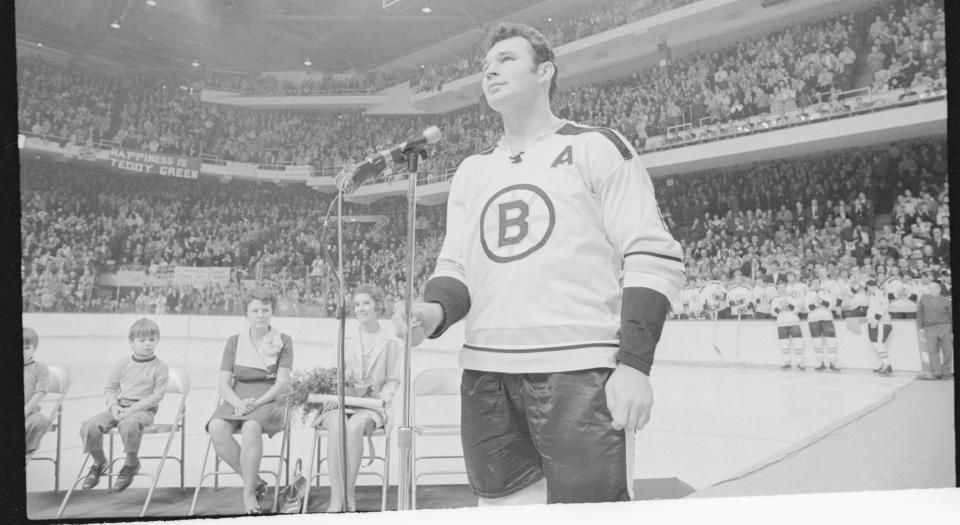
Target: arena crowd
79 222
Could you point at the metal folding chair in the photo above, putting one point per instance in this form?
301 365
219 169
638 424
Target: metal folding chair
58 382
283 464
178 384
370 454
435 382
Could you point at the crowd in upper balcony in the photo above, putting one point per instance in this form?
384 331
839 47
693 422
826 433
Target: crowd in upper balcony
798 66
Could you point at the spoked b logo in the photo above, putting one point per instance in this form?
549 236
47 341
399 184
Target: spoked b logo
516 222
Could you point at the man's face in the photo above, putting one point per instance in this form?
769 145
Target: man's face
510 78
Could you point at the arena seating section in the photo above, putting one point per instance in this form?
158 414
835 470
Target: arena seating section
79 222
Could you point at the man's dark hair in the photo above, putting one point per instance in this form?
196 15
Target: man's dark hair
542 50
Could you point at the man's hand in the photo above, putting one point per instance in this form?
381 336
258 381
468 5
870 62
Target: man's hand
115 411
629 398
424 321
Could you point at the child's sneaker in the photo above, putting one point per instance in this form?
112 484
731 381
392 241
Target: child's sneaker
93 476
821 367
834 368
786 366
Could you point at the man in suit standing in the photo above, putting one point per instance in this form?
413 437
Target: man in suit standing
813 214
773 275
751 269
941 246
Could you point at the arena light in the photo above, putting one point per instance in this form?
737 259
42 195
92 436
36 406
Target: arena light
39 44
115 24
152 3
426 9
308 62
195 63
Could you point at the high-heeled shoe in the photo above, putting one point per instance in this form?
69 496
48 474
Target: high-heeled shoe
261 489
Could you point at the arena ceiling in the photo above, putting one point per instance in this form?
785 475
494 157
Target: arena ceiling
251 34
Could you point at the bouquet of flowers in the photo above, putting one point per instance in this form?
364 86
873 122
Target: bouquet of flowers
316 380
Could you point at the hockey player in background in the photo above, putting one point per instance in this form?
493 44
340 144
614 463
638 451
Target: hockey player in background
785 308
557 354
820 302
798 290
879 325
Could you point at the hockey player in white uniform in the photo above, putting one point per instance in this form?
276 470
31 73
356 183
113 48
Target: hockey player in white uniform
798 290
713 297
557 353
738 298
785 307
820 303
879 326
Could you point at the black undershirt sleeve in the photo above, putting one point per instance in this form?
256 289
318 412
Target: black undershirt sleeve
642 315
453 296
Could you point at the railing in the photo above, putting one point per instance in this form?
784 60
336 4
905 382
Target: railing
206 158
100 145
864 100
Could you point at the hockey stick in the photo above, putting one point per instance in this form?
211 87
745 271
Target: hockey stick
737 349
716 323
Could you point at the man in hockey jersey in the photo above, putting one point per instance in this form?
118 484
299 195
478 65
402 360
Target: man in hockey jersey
557 355
879 325
820 302
785 307
798 290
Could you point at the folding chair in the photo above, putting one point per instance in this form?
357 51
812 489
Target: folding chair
370 454
283 460
435 382
178 384
58 382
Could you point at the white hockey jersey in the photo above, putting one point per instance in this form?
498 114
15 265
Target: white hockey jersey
713 296
878 305
798 291
694 305
738 297
785 307
539 239
819 304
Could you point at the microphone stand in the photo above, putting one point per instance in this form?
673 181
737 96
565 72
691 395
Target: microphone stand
404 431
341 354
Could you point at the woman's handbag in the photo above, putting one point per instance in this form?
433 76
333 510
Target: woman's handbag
291 496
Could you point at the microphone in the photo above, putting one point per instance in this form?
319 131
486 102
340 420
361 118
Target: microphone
349 180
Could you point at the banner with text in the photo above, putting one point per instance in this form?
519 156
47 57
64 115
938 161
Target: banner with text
201 274
166 164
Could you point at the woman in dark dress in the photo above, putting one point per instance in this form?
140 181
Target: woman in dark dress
255 368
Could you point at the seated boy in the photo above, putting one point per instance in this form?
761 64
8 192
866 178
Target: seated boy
35 376
134 389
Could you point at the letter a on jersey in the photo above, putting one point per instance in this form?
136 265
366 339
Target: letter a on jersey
565 157
516 221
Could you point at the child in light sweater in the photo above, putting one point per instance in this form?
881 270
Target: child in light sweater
134 389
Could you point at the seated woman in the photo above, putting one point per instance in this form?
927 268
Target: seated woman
373 361
255 368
